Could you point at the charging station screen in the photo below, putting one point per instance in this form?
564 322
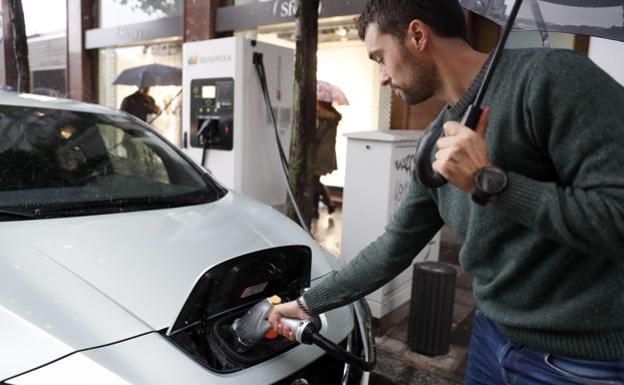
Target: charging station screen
226 93
209 92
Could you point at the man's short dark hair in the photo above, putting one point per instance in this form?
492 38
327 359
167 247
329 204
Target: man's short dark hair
444 17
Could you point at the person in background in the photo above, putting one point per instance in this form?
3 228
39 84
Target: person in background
327 119
140 104
327 122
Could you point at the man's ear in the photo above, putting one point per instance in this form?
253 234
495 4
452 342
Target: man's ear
418 34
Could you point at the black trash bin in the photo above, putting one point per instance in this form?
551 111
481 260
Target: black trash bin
431 308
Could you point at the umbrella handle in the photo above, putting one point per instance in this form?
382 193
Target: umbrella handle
427 146
425 149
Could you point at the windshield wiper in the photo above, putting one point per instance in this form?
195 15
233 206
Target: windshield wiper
8 213
122 205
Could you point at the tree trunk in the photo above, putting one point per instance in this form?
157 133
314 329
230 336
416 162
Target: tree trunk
302 153
20 45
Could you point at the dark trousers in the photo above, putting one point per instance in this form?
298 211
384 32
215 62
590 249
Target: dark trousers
495 360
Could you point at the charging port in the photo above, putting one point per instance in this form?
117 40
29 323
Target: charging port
226 292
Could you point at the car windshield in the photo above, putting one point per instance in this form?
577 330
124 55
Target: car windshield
58 163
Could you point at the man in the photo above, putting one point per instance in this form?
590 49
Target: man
545 246
140 104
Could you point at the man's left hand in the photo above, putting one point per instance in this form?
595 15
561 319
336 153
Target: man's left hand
462 152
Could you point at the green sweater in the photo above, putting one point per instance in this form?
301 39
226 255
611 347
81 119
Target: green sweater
547 258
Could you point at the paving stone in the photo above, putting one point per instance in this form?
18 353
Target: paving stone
460 335
464 297
398 316
399 332
393 346
402 372
463 280
451 364
461 312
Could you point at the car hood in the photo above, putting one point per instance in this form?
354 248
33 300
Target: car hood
123 274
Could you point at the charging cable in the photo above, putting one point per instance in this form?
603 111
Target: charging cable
307 332
259 64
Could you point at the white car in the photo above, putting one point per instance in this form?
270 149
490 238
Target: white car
123 262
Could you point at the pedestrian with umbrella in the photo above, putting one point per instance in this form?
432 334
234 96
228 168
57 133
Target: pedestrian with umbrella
327 120
140 103
535 191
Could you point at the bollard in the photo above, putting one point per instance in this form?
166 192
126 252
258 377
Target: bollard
431 308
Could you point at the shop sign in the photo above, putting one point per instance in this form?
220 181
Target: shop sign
165 28
267 12
288 8
129 32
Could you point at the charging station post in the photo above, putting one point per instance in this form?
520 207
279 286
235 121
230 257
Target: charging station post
226 125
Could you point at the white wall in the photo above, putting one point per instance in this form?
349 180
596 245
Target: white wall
346 64
609 55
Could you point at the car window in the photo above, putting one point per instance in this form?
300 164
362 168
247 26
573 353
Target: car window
131 156
64 163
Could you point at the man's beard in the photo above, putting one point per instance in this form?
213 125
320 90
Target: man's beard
422 81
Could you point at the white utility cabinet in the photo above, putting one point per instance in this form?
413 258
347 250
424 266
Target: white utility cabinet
378 173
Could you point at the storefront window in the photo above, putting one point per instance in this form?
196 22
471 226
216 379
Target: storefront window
114 13
46 26
114 60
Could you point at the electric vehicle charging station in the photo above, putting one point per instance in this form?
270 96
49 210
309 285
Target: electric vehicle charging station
226 123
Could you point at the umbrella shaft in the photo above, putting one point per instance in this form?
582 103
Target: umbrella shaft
497 52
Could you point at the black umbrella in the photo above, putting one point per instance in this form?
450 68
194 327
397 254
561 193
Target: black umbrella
150 75
601 18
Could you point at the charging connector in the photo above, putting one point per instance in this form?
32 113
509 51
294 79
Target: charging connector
307 332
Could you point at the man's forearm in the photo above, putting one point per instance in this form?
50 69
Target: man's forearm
373 267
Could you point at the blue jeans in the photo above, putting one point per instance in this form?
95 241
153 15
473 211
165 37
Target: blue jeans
495 360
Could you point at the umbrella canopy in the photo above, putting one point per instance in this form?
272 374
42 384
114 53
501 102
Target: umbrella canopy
601 18
327 92
150 75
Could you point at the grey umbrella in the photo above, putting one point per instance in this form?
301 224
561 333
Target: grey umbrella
602 18
150 75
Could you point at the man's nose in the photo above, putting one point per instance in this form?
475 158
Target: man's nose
384 79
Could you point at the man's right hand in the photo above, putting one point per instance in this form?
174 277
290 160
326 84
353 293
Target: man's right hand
289 310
